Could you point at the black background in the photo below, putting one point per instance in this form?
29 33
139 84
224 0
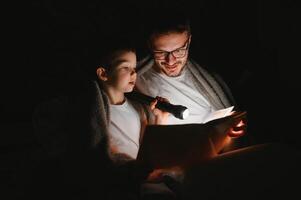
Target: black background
254 45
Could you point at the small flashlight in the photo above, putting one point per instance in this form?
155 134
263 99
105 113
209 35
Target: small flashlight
179 111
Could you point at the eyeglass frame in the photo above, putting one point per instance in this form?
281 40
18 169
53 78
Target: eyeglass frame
167 53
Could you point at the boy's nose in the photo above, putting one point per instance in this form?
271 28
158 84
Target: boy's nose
134 73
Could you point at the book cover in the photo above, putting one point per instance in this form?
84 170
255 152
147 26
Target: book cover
165 146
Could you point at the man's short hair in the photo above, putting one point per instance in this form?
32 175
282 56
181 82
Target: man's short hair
177 22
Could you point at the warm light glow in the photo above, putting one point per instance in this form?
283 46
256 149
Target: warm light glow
228 144
227 141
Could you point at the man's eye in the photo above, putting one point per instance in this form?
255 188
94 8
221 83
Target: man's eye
179 50
160 53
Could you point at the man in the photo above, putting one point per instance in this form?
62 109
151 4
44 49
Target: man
170 73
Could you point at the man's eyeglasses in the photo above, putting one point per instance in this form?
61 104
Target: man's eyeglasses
177 53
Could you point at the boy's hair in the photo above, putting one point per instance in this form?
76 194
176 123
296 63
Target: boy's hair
104 52
113 49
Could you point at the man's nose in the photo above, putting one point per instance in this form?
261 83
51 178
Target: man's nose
170 59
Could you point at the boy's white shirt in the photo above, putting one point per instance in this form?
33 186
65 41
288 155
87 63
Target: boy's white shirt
124 128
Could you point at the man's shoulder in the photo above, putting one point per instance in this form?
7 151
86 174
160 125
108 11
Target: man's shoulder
200 68
142 62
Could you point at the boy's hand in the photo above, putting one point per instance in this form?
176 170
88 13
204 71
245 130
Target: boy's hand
160 116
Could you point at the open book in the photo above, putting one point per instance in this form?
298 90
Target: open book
165 146
218 114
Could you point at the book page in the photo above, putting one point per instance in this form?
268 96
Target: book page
218 114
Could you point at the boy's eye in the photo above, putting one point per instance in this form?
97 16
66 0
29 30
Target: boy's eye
128 69
125 68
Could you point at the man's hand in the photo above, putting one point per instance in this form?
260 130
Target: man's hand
238 130
158 174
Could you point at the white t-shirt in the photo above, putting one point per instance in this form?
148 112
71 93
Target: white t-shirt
179 90
125 128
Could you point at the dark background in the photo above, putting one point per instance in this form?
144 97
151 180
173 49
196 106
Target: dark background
254 45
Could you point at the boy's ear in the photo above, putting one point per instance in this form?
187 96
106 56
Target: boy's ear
102 74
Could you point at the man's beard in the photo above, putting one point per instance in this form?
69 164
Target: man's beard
180 64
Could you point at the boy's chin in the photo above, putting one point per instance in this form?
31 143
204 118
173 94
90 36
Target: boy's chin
129 90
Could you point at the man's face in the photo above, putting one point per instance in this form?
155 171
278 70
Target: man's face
170 52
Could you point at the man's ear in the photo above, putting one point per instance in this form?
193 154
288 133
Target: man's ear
102 74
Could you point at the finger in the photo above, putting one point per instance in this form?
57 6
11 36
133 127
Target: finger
241 123
236 132
162 99
237 129
158 98
156 111
153 104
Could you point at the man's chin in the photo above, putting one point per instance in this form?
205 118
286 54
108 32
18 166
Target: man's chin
172 73
173 70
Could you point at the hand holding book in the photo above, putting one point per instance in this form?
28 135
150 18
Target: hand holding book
182 145
237 130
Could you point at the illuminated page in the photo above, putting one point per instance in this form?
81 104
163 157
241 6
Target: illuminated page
218 114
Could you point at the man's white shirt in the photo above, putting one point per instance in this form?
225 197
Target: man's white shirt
179 90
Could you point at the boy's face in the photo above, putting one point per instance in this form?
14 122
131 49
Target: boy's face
123 76
170 52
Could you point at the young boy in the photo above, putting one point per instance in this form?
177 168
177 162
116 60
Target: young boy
75 127
116 74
